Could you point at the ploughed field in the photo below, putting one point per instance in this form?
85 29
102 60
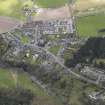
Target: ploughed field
7 24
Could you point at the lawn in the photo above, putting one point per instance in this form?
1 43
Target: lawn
24 39
54 49
51 3
68 54
6 79
89 26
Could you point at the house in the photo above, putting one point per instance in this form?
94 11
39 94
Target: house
97 95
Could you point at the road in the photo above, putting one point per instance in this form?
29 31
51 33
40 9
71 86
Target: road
57 60
69 70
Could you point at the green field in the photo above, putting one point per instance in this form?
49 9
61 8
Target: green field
8 81
54 49
89 26
51 3
13 8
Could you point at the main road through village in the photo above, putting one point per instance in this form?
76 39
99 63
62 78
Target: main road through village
57 60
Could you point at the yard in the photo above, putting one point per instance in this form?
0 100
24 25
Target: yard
88 26
54 49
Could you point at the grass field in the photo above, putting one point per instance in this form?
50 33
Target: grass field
54 49
8 80
10 8
89 26
13 8
51 3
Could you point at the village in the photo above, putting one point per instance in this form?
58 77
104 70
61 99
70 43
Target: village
51 42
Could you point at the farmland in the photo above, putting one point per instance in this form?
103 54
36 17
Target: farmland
10 8
88 26
90 17
51 3
82 5
10 79
13 8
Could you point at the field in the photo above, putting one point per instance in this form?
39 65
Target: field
7 23
88 26
93 21
10 8
11 79
54 49
13 8
80 88
51 3
82 5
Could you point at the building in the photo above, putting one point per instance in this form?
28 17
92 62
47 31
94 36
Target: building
51 27
59 23
55 27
